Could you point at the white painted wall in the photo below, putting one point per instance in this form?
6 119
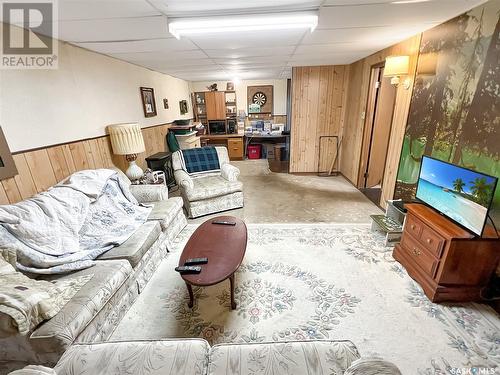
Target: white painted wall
241 92
88 92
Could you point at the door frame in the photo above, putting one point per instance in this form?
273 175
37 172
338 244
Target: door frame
369 120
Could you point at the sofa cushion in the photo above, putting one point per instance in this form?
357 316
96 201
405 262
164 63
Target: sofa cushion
166 211
55 335
136 246
164 357
299 357
212 187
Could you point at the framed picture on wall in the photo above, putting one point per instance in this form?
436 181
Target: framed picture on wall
183 106
148 101
7 166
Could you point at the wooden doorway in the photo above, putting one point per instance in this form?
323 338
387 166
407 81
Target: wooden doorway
377 131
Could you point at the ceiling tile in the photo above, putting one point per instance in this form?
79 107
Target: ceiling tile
328 59
193 8
369 15
253 60
104 9
250 52
114 29
161 56
312 50
149 45
193 64
249 39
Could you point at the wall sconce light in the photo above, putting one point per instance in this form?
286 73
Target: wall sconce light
395 67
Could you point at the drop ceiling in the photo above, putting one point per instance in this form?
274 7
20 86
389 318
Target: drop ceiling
136 31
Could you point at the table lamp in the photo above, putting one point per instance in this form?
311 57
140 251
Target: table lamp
126 139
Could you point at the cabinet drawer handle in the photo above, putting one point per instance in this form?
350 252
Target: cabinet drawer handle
429 240
416 252
413 226
235 149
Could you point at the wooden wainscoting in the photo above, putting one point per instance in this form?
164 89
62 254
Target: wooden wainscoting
318 105
41 168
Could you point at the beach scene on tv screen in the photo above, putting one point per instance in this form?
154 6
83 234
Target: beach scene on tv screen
460 194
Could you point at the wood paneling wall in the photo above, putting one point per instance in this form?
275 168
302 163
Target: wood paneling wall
357 96
318 103
42 168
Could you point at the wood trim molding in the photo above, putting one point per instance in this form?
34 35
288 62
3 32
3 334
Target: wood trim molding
40 168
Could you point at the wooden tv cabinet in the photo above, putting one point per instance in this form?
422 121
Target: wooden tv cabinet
448 262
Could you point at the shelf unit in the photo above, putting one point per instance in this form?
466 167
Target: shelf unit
216 106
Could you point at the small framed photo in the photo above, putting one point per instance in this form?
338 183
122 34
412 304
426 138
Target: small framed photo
230 86
165 103
183 106
148 101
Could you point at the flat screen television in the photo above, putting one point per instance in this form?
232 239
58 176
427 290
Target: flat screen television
461 194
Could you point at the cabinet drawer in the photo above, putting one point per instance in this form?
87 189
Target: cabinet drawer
419 255
432 241
235 142
413 226
235 148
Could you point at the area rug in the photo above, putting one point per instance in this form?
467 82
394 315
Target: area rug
331 281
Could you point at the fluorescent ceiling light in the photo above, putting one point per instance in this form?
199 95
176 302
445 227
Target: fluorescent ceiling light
231 24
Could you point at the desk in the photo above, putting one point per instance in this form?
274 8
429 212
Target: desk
233 142
262 138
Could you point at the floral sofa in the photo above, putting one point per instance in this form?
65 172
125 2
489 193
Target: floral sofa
195 357
209 192
119 276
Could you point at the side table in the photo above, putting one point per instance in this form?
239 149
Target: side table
162 161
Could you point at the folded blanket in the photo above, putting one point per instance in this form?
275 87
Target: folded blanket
65 228
26 302
196 160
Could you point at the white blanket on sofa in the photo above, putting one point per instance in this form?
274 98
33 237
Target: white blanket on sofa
65 228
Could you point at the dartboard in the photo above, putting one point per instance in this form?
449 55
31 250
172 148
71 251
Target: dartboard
259 98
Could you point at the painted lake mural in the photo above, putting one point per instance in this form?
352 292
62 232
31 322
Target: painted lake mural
455 107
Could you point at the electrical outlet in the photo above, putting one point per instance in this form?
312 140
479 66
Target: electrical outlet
363 115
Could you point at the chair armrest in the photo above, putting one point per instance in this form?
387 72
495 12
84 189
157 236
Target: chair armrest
183 179
372 366
230 172
149 193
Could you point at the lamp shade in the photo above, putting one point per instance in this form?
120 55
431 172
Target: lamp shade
396 66
126 139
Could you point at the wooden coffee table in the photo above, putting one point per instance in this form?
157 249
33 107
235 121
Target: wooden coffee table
223 245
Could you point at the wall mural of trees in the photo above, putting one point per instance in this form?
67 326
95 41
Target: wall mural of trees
455 109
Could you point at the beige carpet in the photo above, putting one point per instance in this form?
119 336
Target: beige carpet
320 281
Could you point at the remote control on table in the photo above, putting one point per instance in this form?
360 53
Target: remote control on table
193 261
186 270
224 223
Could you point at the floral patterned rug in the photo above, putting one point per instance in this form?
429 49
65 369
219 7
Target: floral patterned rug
326 281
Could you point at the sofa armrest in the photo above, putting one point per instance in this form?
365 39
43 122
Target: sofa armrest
34 370
372 366
149 193
230 172
183 179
